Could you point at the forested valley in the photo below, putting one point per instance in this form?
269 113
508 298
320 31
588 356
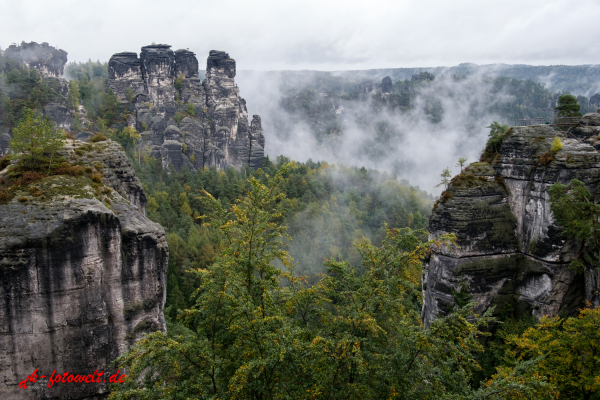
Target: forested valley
303 279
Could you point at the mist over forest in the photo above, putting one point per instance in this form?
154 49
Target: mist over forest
422 126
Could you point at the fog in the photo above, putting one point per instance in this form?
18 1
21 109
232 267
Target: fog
409 145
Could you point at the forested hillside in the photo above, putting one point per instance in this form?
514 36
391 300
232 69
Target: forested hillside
334 309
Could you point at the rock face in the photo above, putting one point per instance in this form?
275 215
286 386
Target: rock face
182 120
512 253
48 60
386 85
82 275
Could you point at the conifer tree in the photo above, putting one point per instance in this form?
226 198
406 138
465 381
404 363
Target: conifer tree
36 142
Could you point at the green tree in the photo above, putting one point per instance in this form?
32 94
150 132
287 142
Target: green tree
567 106
446 175
496 136
36 143
258 331
130 94
574 209
461 163
569 351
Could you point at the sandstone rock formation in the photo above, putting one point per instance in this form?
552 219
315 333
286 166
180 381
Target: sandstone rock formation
386 85
82 274
48 60
512 253
182 120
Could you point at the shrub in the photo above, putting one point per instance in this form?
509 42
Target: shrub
178 83
6 196
178 118
496 136
546 158
73 170
191 109
29 177
98 137
130 94
556 144
4 162
96 178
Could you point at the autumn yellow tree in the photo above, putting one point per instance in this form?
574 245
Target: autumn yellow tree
569 351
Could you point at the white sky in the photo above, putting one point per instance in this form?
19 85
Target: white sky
317 34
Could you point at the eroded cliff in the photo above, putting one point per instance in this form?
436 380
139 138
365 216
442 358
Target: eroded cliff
182 120
512 253
82 273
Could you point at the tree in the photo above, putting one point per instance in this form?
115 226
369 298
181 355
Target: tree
496 136
461 163
567 106
258 331
35 143
569 351
445 178
574 209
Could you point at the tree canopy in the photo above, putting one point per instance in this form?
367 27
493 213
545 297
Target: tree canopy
568 106
36 142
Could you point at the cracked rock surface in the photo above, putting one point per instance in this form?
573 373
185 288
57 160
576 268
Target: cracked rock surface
82 274
512 253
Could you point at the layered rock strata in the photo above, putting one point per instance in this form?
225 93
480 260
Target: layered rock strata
511 251
182 120
82 274
49 60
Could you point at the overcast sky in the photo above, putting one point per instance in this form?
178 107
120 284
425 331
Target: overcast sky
318 34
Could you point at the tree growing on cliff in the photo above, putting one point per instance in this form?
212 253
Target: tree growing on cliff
36 143
461 163
567 106
574 209
446 175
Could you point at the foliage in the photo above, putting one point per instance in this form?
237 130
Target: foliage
567 106
127 137
446 175
574 209
22 89
496 136
569 352
190 109
35 143
178 118
259 331
461 163
130 94
556 145
73 97
178 82
328 209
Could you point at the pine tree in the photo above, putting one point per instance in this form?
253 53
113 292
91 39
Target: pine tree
568 106
36 142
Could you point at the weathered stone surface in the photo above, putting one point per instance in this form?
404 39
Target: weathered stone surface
214 128
257 143
186 64
49 60
125 71
82 275
511 250
386 85
61 115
